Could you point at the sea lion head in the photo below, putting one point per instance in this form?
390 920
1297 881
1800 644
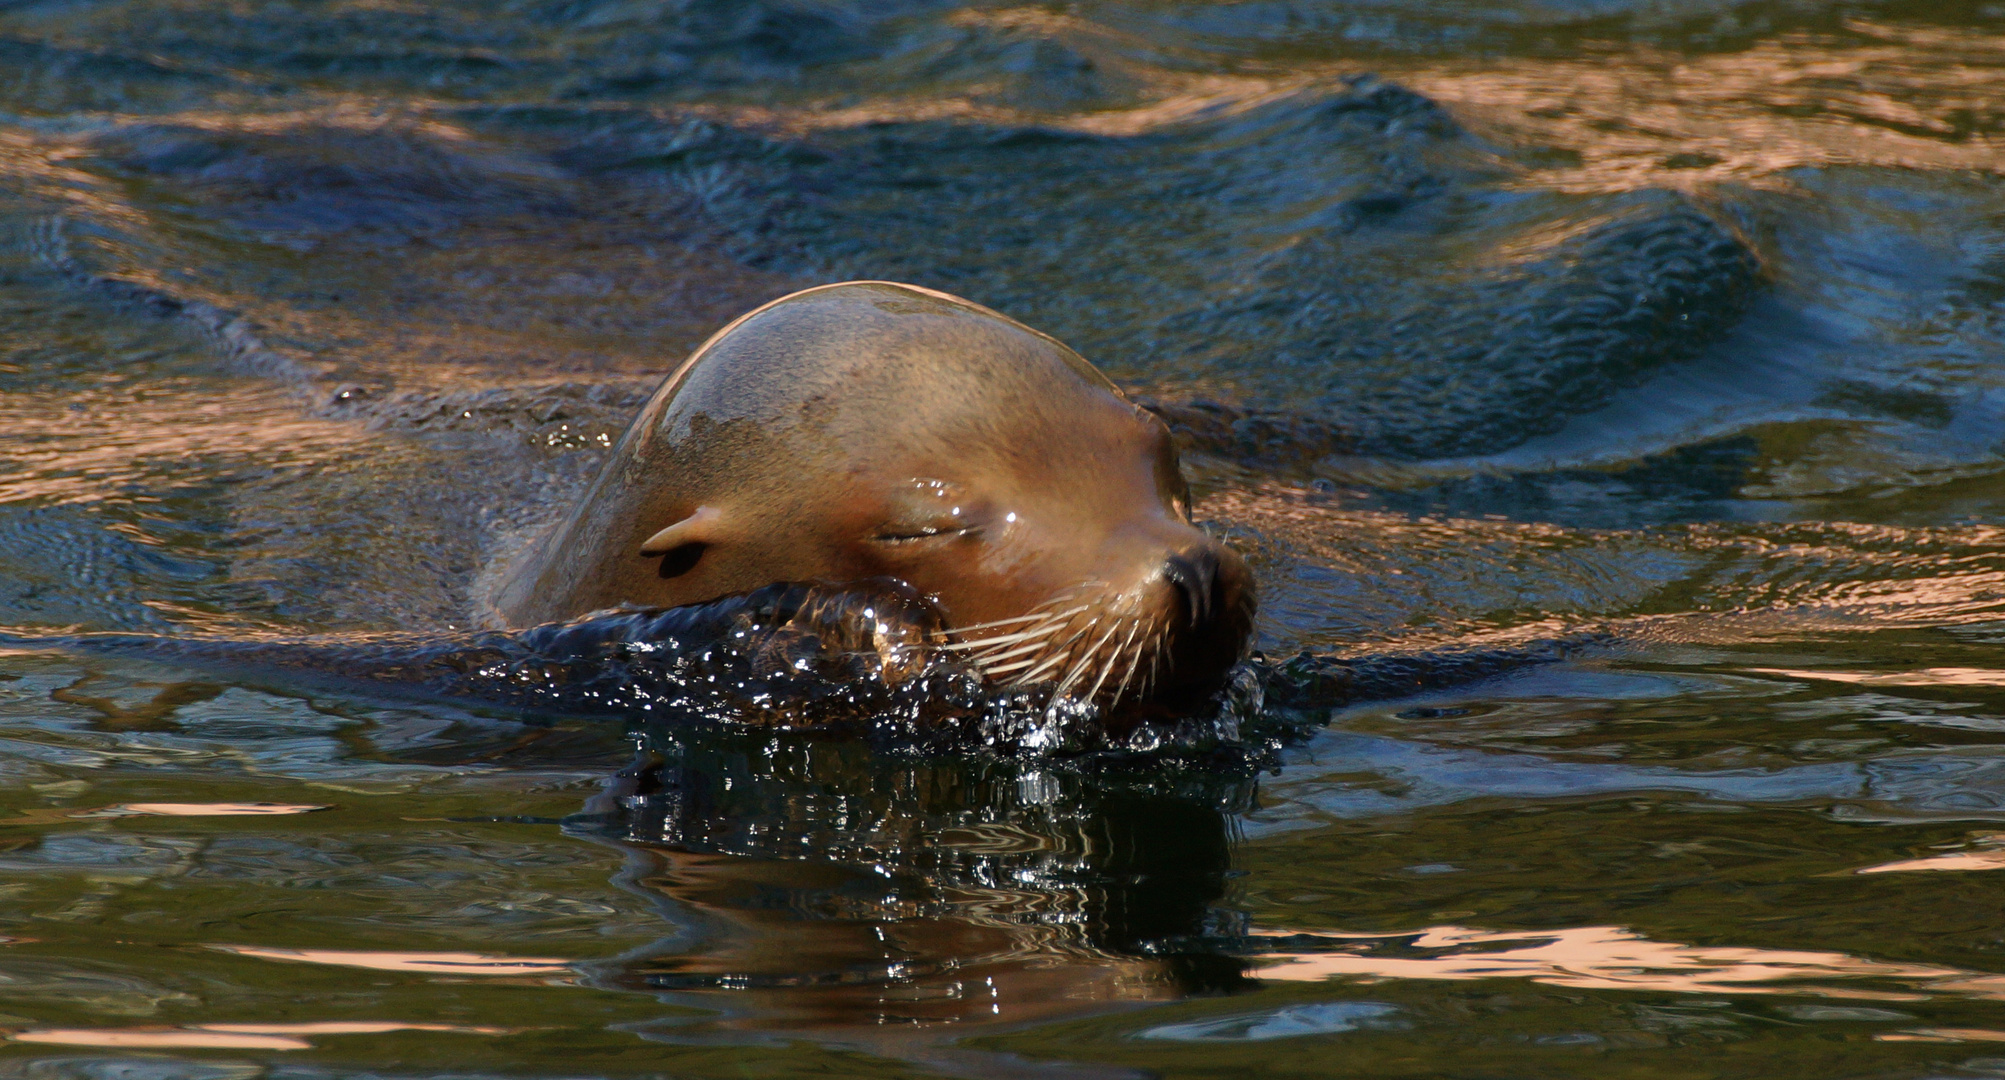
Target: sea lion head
871 430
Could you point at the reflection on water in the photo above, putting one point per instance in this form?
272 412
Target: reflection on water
1610 958
1292 1022
1986 857
446 963
838 889
1607 396
1943 1035
1923 677
50 816
1957 860
228 1036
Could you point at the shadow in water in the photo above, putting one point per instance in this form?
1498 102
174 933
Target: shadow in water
823 886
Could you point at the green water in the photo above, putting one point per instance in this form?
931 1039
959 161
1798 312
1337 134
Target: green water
1670 330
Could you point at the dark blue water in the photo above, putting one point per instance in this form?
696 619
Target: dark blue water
1609 396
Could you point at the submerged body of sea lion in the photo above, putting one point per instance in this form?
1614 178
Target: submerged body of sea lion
871 431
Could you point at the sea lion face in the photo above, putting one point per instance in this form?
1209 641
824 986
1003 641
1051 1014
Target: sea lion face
870 430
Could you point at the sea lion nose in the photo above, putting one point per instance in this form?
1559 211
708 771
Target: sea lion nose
1195 574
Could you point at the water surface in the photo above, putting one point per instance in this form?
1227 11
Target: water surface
1669 332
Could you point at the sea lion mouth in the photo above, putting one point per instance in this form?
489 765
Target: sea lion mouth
1176 635
1159 650
1159 647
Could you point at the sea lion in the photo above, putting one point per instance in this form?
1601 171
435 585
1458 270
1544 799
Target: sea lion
870 431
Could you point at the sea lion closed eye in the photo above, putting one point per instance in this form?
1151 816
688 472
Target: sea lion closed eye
871 430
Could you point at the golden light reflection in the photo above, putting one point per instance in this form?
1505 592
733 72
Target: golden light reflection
1647 119
53 815
1986 857
233 1036
1942 676
1942 1035
432 963
1615 958
1743 584
170 809
79 449
1802 100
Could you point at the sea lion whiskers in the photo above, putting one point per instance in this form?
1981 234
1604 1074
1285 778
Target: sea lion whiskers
1155 666
1037 644
1117 630
991 662
1060 656
1085 661
1007 668
985 651
1000 641
993 623
1107 666
1043 612
1061 651
1134 662
1049 663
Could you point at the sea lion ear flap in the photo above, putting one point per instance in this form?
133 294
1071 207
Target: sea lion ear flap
683 542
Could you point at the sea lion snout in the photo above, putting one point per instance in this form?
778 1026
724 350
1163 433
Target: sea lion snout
1208 596
1195 574
1154 627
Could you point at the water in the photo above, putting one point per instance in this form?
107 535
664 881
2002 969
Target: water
1608 395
